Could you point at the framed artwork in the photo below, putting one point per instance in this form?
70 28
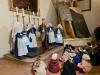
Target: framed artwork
85 5
28 5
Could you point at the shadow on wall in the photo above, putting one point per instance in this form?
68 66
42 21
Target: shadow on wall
5 37
5 41
11 41
51 15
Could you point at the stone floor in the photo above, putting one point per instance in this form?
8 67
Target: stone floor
11 67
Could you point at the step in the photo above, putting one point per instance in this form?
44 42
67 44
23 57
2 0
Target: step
31 60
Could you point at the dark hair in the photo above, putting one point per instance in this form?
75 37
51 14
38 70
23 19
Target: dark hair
98 44
89 44
66 45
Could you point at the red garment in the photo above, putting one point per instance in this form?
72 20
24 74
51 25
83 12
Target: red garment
80 70
33 71
54 67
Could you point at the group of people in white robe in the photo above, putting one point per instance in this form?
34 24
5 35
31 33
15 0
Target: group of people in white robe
55 36
25 41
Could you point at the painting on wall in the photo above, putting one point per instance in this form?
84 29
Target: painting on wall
85 5
28 5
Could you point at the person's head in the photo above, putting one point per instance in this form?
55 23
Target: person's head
66 45
81 48
43 21
67 50
70 57
88 43
54 56
86 57
98 44
72 48
99 25
59 26
30 25
38 61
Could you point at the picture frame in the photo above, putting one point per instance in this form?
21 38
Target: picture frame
85 5
28 6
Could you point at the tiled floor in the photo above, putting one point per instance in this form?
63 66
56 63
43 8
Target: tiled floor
11 67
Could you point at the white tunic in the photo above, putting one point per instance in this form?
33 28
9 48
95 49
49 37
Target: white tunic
34 42
22 48
51 36
59 38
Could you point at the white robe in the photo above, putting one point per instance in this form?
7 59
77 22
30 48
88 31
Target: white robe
22 48
51 37
59 38
41 69
34 42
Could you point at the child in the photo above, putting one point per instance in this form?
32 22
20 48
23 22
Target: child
39 67
76 58
81 51
54 64
85 65
65 55
69 66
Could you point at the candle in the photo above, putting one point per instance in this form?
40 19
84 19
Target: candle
23 11
37 13
28 7
33 13
16 10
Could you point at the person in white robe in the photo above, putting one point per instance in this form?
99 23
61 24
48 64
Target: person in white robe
50 32
20 45
31 34
59 38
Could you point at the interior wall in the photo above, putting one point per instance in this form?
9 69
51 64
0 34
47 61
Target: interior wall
7 19
92 17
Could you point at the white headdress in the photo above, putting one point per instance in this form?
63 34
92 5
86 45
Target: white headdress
49 24
30 26
86 57
59 25
18 27
54 56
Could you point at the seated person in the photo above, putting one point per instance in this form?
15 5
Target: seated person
54 64
85 65
88 48
69 67
39 67
96 55
66 47
76 58
81 51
